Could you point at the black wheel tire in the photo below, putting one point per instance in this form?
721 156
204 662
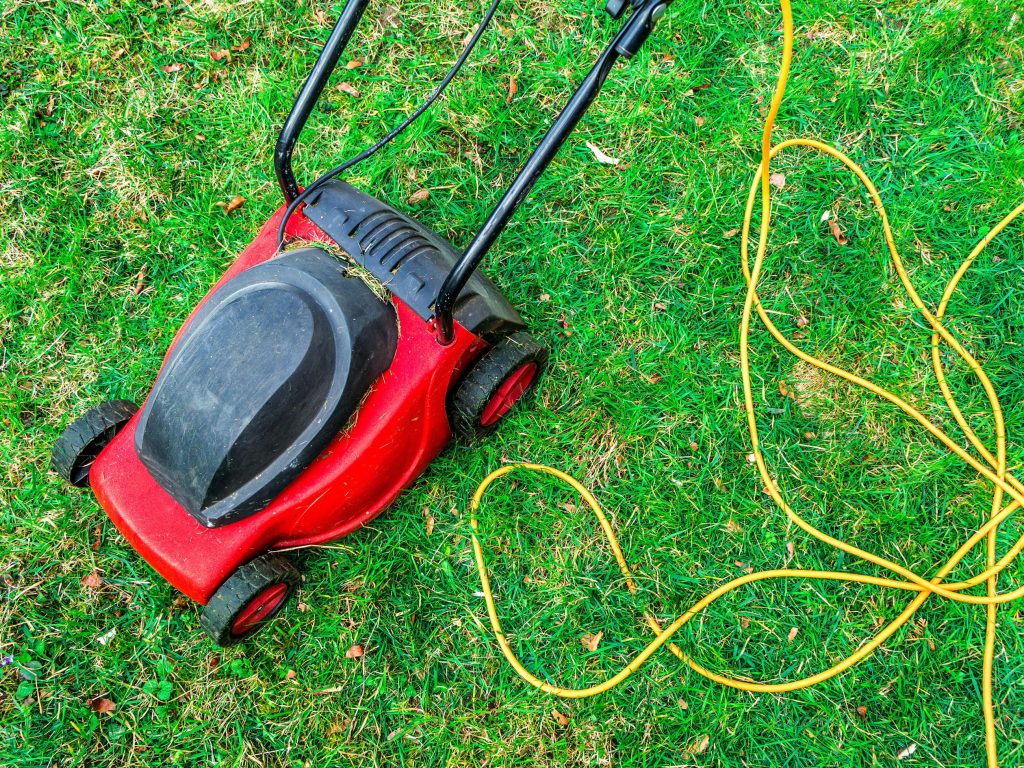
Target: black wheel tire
483 383
76 449
250 592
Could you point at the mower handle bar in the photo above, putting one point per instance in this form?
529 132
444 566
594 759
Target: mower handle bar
310 93
626 43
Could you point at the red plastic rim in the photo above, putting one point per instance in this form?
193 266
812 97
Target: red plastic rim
509 393
259 608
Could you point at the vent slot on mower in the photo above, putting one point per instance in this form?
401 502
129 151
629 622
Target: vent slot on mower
408 258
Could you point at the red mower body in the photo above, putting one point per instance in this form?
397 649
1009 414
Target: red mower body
296 402
399 428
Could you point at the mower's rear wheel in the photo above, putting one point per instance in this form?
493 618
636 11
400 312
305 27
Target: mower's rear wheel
249 599
76 449
504 375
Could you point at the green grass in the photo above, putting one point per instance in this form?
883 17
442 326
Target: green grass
117 188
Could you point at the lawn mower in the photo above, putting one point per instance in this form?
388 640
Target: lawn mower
295 403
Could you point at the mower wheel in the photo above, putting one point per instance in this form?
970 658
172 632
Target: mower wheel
504 375
249 599
76 449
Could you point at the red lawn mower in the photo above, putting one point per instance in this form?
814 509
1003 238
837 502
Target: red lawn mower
295 404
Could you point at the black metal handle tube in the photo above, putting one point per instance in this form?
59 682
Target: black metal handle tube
626 43
517 192
310 92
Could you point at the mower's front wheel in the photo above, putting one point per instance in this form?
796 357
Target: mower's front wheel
249 599
504 375
84 439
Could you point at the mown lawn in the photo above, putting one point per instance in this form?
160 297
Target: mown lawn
119 136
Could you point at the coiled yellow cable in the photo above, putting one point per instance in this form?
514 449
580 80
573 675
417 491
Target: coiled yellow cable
990 466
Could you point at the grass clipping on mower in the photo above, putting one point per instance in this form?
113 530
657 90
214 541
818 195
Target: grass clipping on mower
353 268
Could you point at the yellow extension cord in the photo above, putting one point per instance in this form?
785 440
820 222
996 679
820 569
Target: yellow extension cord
991 467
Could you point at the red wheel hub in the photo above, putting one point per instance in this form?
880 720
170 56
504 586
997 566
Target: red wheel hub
509 393
259 608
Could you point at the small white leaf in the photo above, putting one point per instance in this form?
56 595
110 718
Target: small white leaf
106 637
600 156
907 752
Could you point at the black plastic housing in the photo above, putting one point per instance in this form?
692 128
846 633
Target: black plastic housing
408 258
267 373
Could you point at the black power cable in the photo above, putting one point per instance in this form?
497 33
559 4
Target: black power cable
434 95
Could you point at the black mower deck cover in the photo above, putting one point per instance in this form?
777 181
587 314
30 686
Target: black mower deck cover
267 373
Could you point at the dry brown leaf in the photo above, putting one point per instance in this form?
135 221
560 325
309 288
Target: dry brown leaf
744 622
790 548
475 158
140 281
559 717
683 705
242 46
170 69
792 635
350 89
698 120
46 111
545 297
98 540
92 581
430 521
700 746
837 233
236 202
419 196
862 712
731 233
221 54
303 607
590 642
289 675
801 322
778 180
354 652
513 89
321 16
101 705
354 63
